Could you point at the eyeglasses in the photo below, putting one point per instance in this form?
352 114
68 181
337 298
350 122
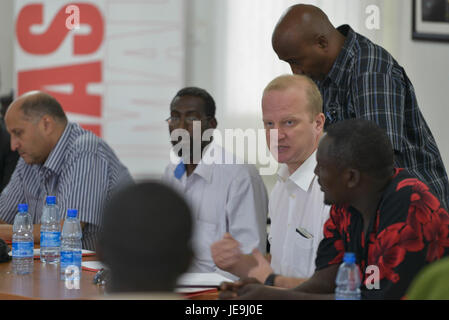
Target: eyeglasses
175 120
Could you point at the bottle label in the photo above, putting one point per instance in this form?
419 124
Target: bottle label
70 258
50 239
22 249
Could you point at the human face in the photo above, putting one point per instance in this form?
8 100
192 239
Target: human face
304 57
330 178
186 110
298 134
27 136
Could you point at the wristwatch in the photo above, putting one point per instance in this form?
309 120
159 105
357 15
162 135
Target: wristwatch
270 279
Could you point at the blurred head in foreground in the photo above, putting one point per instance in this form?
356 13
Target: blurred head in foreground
146 236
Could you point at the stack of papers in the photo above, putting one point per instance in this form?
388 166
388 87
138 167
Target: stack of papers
188 282
93 266
201 280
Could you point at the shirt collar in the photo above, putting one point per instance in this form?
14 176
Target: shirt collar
202 169
340 66
303 176
56 157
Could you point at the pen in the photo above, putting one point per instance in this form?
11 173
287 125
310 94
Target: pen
303 232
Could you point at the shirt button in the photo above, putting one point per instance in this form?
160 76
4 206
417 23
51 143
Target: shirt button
292 196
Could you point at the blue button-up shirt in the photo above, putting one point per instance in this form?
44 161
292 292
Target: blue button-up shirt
81 171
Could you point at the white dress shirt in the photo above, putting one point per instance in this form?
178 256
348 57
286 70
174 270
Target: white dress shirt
224 198
296 203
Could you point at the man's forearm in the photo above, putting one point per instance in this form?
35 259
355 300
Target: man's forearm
322 281
242 267
6 232
287 282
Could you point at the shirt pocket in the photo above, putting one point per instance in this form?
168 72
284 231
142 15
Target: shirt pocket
303 265
204 235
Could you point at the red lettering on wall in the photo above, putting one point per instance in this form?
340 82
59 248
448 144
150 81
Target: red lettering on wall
94 128
51 39
79 76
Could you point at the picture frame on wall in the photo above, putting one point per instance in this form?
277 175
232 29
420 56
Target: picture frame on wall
430 20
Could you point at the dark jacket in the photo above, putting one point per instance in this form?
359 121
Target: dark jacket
8 158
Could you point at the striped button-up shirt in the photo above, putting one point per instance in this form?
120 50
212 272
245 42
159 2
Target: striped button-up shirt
366 82
81 171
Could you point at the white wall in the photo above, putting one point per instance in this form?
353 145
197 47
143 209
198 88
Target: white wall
427 66
426 63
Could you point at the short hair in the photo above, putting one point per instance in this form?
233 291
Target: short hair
313 95
209 103
43 104
146 238
362 145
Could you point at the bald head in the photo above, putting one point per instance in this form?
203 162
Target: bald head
303 20
35 104
305 38
35 122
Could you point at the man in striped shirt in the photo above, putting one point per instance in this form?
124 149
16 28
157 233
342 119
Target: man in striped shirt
57 158
359 79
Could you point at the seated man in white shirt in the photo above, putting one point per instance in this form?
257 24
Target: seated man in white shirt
292 104
225 198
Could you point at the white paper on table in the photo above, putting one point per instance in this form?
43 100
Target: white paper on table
202 280
92 265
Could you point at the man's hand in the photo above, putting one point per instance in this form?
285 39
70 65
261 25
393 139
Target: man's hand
230 290
226 252
263 268
251 289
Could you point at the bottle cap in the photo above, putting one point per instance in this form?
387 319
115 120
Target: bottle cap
349 257
23 207
51 200
72 213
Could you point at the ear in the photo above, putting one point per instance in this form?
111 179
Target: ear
47 123
322 42
213 123
319 122
352 178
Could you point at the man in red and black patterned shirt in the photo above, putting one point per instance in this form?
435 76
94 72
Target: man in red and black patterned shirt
391 221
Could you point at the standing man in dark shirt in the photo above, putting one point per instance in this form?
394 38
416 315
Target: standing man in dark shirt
391 221
359 79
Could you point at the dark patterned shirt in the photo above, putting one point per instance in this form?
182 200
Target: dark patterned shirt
408 231
366 82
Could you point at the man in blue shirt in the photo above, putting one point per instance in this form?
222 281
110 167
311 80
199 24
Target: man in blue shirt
359 79
57 158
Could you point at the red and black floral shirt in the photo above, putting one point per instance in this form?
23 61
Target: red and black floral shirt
409 230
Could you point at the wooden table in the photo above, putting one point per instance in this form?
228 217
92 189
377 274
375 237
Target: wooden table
44 283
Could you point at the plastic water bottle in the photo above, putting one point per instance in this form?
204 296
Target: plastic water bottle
348 279
71 247
22 242
50 231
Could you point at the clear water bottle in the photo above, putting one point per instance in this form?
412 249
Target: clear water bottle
348 279
71 247
22 242
50 231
